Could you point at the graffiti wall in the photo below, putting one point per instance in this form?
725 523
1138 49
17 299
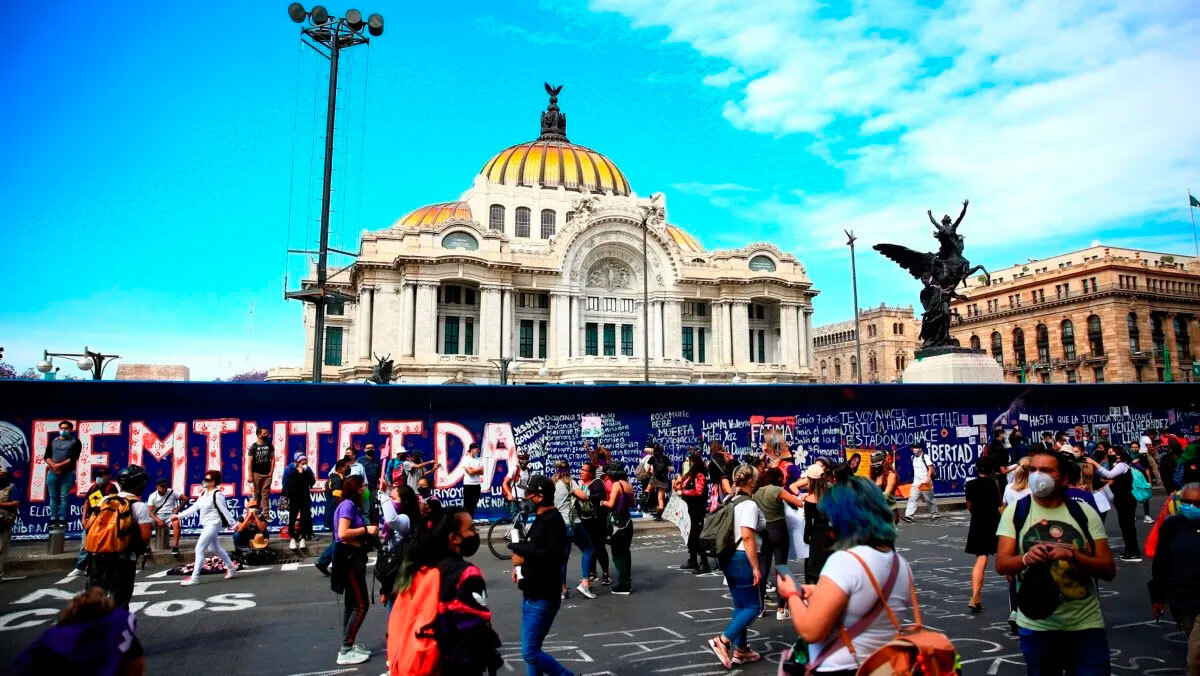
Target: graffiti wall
180 430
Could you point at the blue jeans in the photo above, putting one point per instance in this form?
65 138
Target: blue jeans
59 487
1075 653
326 557
578 535
739 575
536 617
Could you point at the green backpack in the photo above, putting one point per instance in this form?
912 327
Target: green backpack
717 537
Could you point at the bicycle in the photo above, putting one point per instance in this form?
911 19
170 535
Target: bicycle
498 540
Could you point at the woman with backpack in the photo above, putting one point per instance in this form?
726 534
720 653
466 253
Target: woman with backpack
1121 475
620 534
351 538
845 596
214 516
742 573
691 487
439 589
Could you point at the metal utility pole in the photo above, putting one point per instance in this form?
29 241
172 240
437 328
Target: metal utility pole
850 238
88 360
333 35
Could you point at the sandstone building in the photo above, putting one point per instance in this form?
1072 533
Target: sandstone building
888 342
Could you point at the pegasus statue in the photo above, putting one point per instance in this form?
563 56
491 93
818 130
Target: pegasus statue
941 273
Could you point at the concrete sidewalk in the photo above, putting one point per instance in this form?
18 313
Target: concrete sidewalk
31 557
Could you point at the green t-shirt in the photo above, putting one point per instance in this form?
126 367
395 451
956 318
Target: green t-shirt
1079 605
768 502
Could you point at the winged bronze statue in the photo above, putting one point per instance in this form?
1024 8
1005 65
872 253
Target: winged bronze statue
384 370
941 273
554 122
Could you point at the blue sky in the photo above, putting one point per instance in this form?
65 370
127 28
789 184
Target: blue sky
147 181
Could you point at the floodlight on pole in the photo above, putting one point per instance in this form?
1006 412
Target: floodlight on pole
375 24
354 19
319 15
296 11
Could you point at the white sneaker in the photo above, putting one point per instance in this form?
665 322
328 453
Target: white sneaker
75 572
770 589
188 582
585 591
783 614
292 544
1147 519
351 656
303 544
229 574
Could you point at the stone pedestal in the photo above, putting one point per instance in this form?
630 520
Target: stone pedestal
953 365
55 543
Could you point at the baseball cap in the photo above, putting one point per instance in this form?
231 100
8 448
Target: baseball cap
540 485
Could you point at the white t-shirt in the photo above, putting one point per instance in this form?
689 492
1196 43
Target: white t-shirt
848 575
920 469
472 463
563 492
163 505
1011 494
746 514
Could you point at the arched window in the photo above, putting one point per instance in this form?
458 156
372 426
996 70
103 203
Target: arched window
837 368
1135 336
1042 337
1068 339
824 370
997 348
853 367
902 329
460 240
1183 343
496 217
872 363
1019 345
547 223
522 221
763 263
570 217
1095 336
975 343
897 362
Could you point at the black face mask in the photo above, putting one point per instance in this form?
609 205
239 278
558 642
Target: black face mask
424 491
4 481
469 546
370 453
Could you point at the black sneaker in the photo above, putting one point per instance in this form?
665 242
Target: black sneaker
1131 558
907 519
323 567
175 551
703 569
690 565
606 581
566 594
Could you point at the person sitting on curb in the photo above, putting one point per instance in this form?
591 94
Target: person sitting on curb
249 528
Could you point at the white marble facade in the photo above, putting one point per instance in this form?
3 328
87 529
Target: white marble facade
541 260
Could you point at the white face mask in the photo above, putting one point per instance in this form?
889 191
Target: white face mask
1040 485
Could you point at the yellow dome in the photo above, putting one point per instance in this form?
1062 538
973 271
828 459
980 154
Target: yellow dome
436 214
552 161
550 164
684 239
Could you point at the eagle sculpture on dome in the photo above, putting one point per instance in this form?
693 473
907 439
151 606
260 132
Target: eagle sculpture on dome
941 273
554 123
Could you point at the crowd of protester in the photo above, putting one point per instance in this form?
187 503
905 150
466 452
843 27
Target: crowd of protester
1038 509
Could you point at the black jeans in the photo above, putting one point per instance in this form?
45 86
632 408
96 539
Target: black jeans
357 597
114 574
775 543
1126 511
597 530
300 519
622 559
696 510
471 498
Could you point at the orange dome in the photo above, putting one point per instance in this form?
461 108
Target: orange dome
551 163
436 214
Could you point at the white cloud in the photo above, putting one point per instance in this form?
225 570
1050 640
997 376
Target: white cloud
711 189
724 78
1052 115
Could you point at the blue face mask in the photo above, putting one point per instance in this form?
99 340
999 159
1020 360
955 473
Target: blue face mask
65 434
1191 512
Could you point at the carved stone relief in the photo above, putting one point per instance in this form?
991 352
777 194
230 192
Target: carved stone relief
609 274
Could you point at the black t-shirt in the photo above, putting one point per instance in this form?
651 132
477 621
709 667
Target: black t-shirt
981 493
716 472
661 465
544 549
260 457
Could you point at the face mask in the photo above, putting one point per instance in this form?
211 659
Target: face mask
102 481
370 452
523 464
469 546
424 491
4 481
1040 485
1191 512
65 434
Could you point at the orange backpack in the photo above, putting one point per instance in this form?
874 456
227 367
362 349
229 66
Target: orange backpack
110 527
914 650
412 646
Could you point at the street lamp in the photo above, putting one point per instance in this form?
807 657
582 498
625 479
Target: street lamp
850 238
506 365
328 35
652 211
88 360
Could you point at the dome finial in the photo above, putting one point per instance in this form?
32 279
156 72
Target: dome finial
554 123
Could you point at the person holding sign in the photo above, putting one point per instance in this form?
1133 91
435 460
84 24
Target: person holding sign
922 485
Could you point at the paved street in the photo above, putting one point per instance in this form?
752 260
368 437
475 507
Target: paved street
284 620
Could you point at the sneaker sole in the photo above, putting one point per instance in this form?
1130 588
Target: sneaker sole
726 661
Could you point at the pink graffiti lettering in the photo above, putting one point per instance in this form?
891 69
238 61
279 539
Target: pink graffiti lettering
88 431
142 439
212 430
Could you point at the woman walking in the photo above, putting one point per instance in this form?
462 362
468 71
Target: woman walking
816 527
983 502
742 573
619 503
771 498
1019 486
299 482
214 516
595 519
1123 500
720 475
862 523
566 492
884 475
350 568
691 487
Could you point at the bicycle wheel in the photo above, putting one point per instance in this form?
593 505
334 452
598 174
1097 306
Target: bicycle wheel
498 539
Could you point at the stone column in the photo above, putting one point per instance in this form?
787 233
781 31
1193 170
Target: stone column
804 339
673 330
656 330
787 335
720 333
560 327
506 326
489 321
424 334
405 320
740 321
362 323
385 320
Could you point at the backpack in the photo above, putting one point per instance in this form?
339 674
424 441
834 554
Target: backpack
110 528
435 636
387 565
1141 487
913 650
1038 595
717 536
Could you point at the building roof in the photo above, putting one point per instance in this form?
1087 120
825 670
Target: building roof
684 239
436 214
